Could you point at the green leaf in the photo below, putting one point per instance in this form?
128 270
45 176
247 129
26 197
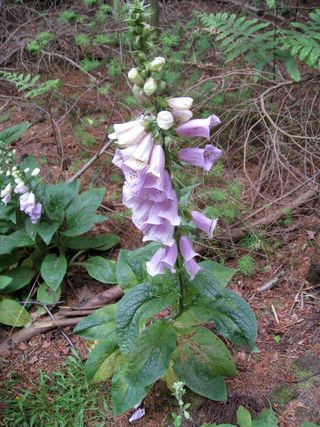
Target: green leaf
5 281
233 317
131 268
81 212
125 396
46 231
302 425
243 417
13 314
100 364
18 239
201 361
99 325
218 425
14 132
57 197
21 276
53 269
222 273
47 295
100 242
185 193
151 354
137 305
267 418
101 269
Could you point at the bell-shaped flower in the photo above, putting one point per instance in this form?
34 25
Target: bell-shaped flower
157 64
20 188
6 194
204 223
162 233
203 157
164 258
29 205
150 86
129 133
182 116
140 156
198 127
157 161
165 120
188 254
181 103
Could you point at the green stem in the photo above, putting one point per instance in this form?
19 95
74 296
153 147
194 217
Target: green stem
181 289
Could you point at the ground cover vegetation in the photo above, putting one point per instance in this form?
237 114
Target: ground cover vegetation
110 91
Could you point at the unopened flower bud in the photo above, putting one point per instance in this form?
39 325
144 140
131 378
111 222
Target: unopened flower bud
157 64
182 116
165 120
35 172
150 86
26 170
181 103
138 93
135 77
8 173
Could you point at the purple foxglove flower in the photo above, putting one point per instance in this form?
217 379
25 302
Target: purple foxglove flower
159 233
198 127
21 188
6 194
157 161
141 154
164 258
35 214
166 210
188 254
204 223
129 133
202 157
139 413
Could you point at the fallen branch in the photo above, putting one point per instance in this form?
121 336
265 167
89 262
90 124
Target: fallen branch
47 323
237 233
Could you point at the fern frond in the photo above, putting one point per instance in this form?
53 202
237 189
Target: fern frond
29 84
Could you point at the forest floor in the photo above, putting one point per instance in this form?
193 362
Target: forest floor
285 373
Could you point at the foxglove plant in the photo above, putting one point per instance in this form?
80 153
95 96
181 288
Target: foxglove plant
155 331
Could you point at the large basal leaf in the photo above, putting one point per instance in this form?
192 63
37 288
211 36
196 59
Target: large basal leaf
81 214
131 265
233 317
13 314
124 395
53 269
14 132
21 276
101 269
7 213
18 239
57 197
99 325
201 361
47 295
100 242
100 364
151 354
243 417
138 304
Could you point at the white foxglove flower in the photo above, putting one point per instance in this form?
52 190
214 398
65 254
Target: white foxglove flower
181 103
150 86
157 64
129 133
182 116
134 77
6 194
165 120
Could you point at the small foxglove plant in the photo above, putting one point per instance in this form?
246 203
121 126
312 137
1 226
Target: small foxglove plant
18 184
156 330
178 392
42 229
